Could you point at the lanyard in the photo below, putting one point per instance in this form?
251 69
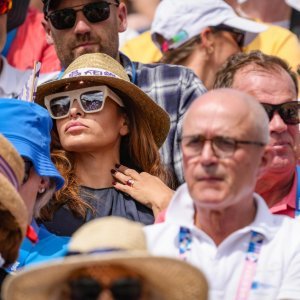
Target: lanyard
185 242
250 264
297 211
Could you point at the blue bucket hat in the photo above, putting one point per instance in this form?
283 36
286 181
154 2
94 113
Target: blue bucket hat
27 126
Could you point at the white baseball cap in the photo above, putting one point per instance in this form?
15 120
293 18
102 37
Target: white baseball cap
178 21
292 3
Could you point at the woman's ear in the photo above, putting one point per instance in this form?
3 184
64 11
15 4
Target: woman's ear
44 184
207 40
124 130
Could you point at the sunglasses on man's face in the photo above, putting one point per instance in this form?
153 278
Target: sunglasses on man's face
91 100
289 111
5 6
89 288
93 12
238 35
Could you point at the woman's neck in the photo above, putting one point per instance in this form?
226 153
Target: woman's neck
199 64
93 169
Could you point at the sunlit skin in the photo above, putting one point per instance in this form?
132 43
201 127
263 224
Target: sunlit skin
94 138
221 188
274 88
86 37
262 10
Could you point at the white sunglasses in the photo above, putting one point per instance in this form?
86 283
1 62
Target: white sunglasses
91 100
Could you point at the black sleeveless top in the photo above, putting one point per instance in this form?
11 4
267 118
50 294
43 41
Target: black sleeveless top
106 202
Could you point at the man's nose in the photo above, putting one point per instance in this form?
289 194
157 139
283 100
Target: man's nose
277 124
82 25
208 155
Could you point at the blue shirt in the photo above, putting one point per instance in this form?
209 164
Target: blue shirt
48 247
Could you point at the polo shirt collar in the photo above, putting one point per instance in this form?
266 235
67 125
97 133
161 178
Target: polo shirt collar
181 211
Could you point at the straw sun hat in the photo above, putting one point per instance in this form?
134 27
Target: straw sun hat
113 241
11 176
99 68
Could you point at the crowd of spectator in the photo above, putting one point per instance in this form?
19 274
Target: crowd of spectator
149 150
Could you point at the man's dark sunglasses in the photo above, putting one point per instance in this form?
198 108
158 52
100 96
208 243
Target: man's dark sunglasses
121 289
238 35
289 111
93 12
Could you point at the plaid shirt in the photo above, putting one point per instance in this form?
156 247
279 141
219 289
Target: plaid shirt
173 88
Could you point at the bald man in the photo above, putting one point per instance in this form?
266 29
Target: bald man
215 220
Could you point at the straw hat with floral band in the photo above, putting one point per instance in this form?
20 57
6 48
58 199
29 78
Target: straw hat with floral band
100 69
109 242
11 177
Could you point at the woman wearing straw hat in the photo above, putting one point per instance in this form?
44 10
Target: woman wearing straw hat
102 120
116 266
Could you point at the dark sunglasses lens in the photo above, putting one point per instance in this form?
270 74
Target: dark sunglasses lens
289 112
269 110
60 106
84 289
92 101
127 289
63 19
28 166
96 12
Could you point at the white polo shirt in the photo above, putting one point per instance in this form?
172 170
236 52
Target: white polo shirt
278 269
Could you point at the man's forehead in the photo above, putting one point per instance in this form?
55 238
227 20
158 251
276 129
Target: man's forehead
215 117
272 86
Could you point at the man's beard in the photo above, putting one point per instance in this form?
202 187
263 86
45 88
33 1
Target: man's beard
67 56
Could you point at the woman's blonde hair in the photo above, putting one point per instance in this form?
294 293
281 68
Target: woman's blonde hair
138 151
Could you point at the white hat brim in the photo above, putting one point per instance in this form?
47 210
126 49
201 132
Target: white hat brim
245 25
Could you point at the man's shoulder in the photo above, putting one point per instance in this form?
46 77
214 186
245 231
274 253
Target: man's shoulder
161 67
174 79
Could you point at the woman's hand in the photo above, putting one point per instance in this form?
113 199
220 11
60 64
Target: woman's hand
143 187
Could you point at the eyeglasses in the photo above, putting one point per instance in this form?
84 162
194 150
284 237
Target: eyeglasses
91 100
5 6
222 147
93 12
28 165
288 111
89 288
238 35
